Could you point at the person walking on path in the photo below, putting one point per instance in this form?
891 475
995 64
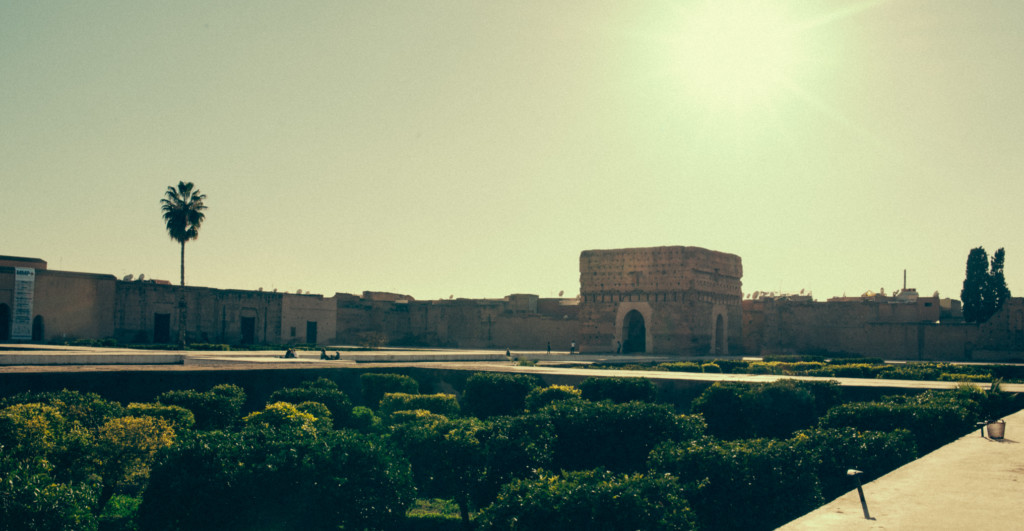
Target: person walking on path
572 347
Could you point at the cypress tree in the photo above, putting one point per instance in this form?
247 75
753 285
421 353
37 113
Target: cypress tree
973 294
997 292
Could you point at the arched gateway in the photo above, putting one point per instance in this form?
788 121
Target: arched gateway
634 333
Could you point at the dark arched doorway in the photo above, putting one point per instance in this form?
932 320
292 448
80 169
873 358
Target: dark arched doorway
5 322
37 328
720 335
634 333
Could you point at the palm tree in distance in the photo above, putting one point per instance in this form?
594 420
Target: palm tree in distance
183 212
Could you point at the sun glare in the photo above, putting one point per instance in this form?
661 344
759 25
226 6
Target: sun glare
739 54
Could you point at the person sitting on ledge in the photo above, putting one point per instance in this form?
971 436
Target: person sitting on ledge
289 354
323 354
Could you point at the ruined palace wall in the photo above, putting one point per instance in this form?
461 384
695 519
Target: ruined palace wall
214 316
869 328
71 305
679 291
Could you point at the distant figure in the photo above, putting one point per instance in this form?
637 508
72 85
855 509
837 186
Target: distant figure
618 347
508 353
572 347
549 347
337 355
323 354
289 354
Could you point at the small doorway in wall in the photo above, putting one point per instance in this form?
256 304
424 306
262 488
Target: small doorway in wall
162 328
311 332
5 322
634 333
720 336
37 328
248 330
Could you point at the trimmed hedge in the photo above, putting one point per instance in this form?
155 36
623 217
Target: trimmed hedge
741 485
777 409
932 425
618 390
177 416
593 499
216 409
489 394
833 451
439 404
614 436
376 385
320 390
543 396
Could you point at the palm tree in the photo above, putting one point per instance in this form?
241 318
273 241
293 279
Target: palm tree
183 212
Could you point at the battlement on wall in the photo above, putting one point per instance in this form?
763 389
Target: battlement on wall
659 270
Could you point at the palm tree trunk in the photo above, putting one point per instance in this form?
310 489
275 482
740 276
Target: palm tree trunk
182 306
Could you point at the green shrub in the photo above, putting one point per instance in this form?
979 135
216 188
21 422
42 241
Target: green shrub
119 514
494 393
732 366
513 448
376 385
446 455
932 425
593 499
836 450
680 366
777 409
542 396
749 484
711 368
614 436
618 390
320 390
178 416
364 420
218 408
267 477
440 404
792 357
851 370
88 409
948 377
854 360
910 372
798 367
757 367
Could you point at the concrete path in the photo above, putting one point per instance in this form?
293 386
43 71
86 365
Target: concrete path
972 483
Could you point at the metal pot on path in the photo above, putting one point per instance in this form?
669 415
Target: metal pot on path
996 429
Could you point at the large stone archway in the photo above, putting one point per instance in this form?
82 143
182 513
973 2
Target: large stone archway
634 333
633 327
719 331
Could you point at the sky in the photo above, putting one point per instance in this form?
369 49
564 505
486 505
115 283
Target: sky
474 149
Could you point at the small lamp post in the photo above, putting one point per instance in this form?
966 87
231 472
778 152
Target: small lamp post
863 503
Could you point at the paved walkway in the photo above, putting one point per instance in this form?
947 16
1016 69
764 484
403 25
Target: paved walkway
973 482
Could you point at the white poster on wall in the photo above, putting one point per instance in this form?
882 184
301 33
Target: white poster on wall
24 292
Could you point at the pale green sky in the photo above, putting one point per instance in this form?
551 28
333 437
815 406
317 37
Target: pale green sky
476 148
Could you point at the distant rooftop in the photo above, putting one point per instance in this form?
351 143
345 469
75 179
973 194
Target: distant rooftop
20 261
